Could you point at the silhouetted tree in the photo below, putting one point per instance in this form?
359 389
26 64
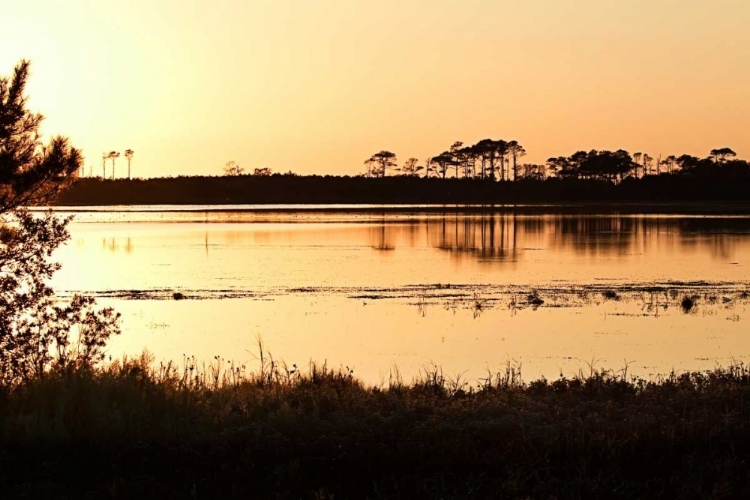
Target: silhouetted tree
30 173
491 154
466 158
612 166
560 167
442 163
38 332
637 160
485 151
262 172
622 164
516 151
721 155
501 153
410 167
113 155
615 166
532 171
456 155
669 162
688 163
380 162
429 167
105 157
647 163
232 168
129 155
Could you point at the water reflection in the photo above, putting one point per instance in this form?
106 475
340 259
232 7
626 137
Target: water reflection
382 240
506 236
113 244
637 235
384 250
470 279
492 237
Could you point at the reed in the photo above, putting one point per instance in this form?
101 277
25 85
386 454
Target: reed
134 427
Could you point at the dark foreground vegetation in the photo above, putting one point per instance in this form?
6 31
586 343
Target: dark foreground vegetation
132 430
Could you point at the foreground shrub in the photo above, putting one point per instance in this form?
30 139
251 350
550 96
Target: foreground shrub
37 331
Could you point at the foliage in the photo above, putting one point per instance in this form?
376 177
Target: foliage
233 168
411 167
379 163
602 165
720 155
31 173
499 160
442 163
36 329
37 332
262 172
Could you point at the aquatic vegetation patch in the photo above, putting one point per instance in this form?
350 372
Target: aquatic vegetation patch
652 298
687 303
172 294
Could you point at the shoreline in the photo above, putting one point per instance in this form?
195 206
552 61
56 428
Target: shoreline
582 208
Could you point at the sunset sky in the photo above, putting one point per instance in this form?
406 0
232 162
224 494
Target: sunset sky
318 86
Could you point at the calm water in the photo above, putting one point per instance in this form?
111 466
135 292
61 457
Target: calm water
408 287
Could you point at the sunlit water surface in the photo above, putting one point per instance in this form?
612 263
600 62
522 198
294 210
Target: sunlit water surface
410 287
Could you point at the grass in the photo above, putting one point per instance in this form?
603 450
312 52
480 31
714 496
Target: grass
136 429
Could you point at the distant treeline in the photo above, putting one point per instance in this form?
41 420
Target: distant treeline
486 173
491 159
347 190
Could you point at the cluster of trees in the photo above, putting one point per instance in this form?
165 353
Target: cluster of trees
232 168
616 166
487 159
459 175
499 160
113 155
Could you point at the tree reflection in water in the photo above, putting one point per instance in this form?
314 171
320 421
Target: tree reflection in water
506 237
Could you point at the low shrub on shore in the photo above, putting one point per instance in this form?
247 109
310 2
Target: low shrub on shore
133 428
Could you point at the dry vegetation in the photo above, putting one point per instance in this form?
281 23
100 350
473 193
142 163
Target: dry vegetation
133 428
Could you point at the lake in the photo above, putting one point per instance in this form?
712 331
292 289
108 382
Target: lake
377 288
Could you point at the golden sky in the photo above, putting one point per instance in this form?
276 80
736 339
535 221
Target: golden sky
317 86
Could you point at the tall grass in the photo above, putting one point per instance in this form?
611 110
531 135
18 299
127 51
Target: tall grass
138 428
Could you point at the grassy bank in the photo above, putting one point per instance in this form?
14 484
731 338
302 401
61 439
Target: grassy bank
132 429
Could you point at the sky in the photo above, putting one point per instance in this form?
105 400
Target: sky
318 86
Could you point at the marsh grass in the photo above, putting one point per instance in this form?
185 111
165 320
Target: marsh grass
139 428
